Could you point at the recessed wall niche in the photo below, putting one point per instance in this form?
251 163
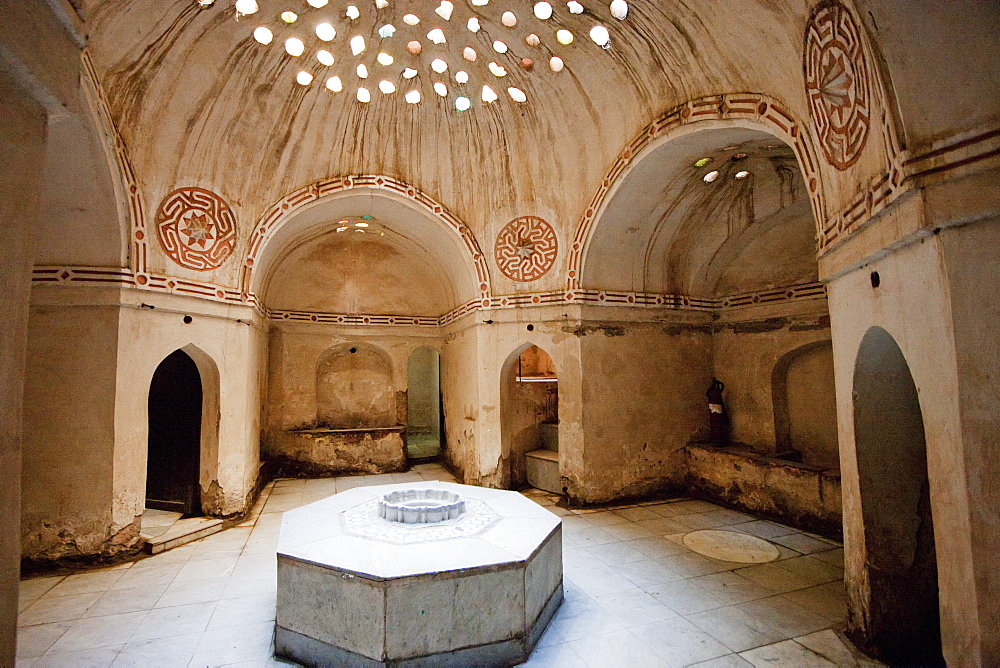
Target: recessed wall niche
354 388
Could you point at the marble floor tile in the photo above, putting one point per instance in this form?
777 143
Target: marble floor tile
35 640
731 588
648 572
617 649
785 653
803 543
727 661
783 615
834 649
764 529
774 578
812 569
637 514
93 632
96 657
678 642
605 518
634 608
174 621
554 656
825 600
243 610
83 583
684 597
615 553
117 601
192 591
234 644
157 652
58 608
736 629
662 526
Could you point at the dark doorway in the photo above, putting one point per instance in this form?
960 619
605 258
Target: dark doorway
173 463
902 622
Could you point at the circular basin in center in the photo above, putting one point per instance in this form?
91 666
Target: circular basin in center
420 506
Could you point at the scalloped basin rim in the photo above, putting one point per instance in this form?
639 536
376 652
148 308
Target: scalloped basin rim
420 506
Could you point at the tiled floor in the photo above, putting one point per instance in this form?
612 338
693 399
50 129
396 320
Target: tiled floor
635 596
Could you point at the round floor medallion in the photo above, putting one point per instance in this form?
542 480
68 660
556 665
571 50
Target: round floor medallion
732 546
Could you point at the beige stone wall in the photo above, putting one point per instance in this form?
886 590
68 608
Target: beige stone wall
913 304
69 462
749 345
643 398
314 380
22 142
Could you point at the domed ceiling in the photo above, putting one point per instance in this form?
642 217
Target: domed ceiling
199 100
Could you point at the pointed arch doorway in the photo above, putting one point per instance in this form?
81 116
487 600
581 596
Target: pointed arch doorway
173 460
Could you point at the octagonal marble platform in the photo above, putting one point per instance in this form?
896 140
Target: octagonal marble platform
355 589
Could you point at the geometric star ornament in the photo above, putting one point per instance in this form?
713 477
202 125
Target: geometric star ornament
526 248
837 83
196 228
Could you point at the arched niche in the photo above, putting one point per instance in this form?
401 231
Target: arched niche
408 262
529 419
664 229
900 621
805 405
354 388
183 411
423 404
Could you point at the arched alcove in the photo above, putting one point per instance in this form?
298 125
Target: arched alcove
529 419
423 404
354 388
900 622
805 405
175 411
712 209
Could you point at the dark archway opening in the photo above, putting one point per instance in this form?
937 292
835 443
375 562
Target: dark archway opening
174 458
901 622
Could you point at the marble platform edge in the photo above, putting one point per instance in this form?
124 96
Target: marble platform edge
450 574
304 649
545 616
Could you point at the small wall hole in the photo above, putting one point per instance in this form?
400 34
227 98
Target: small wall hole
531 328
876 279
354 350
188 319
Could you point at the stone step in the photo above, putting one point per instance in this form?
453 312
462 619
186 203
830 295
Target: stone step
182 532
543 470
550 436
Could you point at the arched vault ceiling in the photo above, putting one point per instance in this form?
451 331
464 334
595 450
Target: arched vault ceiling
199 101
710 213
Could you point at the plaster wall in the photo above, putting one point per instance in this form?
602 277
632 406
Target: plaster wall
747 347
305 391
22 142
69 428
476 358
628 443
913 305
229 346
460 398
972 265
86 419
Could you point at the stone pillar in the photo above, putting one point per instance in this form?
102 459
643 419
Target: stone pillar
22 150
